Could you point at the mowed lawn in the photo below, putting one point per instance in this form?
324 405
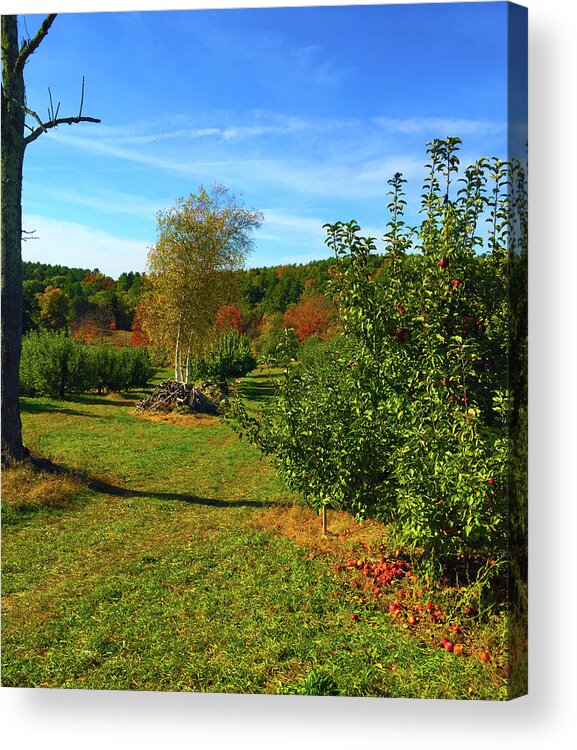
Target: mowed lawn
173 559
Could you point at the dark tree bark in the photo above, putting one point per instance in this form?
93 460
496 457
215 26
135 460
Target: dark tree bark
13 146
14 142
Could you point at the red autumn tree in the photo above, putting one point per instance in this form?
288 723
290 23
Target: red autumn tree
229 317
139 337
88 329
310 316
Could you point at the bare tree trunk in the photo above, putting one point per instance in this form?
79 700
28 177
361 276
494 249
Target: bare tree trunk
13 147
14 142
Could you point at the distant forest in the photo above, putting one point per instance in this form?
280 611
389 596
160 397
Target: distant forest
91 304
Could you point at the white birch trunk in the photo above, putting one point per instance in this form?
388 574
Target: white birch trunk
177 354
187 371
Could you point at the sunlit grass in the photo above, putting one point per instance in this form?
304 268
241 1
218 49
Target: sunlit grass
165 554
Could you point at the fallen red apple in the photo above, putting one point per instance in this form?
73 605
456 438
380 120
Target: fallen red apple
354 617
484 656
458 649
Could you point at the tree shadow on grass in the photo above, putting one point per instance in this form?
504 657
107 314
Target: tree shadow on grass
257 388
93 399
36 407
107 488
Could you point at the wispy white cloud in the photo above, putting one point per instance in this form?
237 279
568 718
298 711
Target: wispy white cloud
378 171
218 126
303 230
108 201
316 67
76 245
307 238
446 126
185 133
345 178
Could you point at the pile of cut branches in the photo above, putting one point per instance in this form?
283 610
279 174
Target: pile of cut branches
169 396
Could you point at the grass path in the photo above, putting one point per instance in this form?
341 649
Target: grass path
180 564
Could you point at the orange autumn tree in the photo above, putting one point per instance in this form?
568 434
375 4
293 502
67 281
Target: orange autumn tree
310 316
139 336
229 318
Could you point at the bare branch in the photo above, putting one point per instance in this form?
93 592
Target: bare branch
26 27
44 126
31 232
30 112
31 46
51 114
81 99
54 120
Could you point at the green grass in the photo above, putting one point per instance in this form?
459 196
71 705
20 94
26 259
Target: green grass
163 568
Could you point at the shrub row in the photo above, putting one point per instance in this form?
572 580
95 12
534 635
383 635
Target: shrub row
53 364
229 357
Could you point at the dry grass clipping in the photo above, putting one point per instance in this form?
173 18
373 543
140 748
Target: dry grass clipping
180 420
25 486
304 527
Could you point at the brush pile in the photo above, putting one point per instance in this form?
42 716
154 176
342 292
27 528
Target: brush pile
184 397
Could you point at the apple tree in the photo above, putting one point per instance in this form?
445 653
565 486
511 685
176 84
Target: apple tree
407 418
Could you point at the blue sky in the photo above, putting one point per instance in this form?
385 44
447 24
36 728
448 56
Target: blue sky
303 112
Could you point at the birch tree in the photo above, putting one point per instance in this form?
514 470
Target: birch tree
20 127
201 242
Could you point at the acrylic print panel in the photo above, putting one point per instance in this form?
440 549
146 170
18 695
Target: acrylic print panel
273 373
